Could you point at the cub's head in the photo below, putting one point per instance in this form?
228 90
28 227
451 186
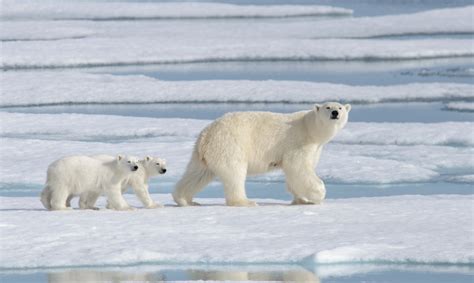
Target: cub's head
129 162
333 113
154 165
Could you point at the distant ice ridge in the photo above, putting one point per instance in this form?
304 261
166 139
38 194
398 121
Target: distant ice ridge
36 88
14 9
95 51
34 30
460 106
36 140
441 21
402 229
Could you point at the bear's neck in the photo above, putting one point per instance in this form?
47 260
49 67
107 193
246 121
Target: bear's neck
318 131
116 175
144 172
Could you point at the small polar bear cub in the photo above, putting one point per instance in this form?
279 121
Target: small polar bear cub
77 175
248 143
147 168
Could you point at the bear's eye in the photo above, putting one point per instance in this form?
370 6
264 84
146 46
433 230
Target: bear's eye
328 107
340 108
129 161
157 163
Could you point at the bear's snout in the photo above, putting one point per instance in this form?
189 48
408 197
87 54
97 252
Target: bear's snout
334 114
163 171
135 168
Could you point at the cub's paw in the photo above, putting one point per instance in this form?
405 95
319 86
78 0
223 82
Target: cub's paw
246 202
153 206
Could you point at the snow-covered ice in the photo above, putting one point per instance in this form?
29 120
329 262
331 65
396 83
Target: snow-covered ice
398 230
48 87
56 10
404 229
87 43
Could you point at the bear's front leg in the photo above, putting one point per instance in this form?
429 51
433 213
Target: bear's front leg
115 199
142 193
233 179
303 184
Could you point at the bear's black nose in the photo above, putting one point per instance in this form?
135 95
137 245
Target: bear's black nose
135 167
163 171
335 113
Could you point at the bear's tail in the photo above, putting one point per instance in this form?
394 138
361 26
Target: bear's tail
196 177
46 197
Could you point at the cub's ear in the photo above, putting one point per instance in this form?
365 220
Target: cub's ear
120 157
317 107
148 158
348 107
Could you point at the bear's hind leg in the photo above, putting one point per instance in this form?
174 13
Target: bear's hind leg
115 199
88 200
196 177
58 199
46 197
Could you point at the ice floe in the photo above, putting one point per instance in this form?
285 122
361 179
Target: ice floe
24 88
57 10
94 52
405 229
442 21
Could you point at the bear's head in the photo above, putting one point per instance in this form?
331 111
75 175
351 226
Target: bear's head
333 113
154 165
128 163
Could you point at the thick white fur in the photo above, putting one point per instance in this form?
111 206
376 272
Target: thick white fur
77 175
246 143
147 168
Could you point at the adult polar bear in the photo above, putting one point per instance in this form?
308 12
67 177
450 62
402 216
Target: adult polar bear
247 143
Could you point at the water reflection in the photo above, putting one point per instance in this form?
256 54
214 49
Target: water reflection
102 276
334 273
297 274
301 275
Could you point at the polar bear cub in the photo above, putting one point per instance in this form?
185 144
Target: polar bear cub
148 167
247 143
77 175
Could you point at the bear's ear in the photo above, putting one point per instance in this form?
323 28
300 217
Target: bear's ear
119 157
148 158
348 107
317 107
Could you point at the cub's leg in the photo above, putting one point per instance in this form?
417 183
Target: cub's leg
143 194
115 199
59 197
87 200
